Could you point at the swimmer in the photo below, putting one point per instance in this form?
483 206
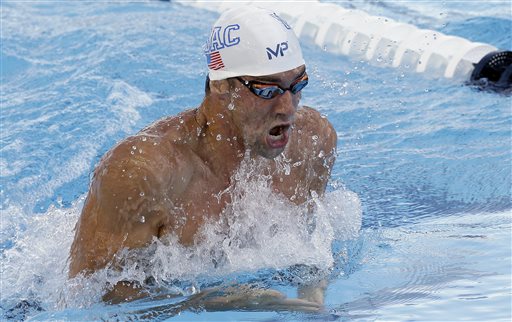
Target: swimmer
173 172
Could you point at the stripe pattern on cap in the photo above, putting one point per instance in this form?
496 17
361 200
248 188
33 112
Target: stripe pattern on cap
214 60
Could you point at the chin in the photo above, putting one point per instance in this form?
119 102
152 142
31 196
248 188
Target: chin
271 156
270 148
269 153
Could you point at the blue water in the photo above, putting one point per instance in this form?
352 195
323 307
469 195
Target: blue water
426 161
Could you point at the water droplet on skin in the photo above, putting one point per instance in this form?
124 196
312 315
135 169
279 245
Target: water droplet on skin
141 194
131 152
140 151
219 137
231 106
287 169
144 139
142 219
134 147
182 121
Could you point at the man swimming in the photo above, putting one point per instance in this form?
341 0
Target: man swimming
168 178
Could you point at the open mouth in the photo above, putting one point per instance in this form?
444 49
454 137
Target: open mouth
278 136
278 130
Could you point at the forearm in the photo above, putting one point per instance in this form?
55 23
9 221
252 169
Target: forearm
314 292
125 291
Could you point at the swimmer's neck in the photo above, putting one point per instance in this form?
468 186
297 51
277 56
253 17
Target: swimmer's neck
220 144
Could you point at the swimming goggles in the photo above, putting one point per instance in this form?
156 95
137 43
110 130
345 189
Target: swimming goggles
269 91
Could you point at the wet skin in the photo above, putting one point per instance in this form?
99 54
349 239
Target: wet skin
167 178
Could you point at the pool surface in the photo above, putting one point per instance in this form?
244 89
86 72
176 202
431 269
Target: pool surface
416 223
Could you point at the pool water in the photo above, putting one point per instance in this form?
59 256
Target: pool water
416 223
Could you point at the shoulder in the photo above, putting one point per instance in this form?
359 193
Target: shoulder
153 157
314 130
127 170
312 148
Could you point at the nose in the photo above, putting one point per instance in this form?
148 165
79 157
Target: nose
286 106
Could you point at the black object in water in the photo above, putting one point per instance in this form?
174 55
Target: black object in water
494 72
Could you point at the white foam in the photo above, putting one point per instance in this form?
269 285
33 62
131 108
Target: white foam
36 266
263 230
124 99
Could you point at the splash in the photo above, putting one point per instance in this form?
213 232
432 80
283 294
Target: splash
258 230
34 264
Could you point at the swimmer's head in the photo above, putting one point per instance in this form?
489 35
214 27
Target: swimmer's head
251 41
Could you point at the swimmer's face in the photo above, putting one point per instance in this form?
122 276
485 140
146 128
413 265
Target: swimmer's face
266 123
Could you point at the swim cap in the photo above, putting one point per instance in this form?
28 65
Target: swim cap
251 41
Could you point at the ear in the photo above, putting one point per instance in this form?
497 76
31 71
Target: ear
220 87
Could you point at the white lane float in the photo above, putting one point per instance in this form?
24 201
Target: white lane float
385 42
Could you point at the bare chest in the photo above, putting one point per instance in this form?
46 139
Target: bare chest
203 200
207 196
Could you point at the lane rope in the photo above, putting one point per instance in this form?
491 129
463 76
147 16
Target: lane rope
385 42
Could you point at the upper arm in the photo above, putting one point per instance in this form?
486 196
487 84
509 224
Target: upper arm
124 208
